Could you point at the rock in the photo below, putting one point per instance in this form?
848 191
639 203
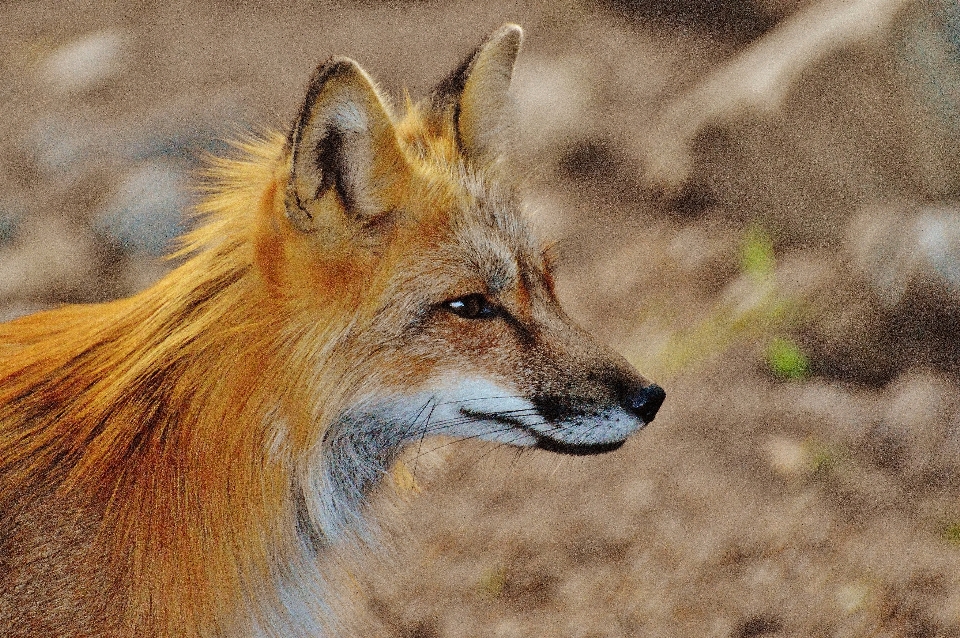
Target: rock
893 302
920 408
759 82
12 212
553 98
146 212
899 246
85 63
63 147
51 261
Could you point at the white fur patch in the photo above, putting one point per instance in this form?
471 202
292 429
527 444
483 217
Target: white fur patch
362 445
477 407
455 408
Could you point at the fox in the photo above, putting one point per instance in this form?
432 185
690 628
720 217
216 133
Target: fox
179 462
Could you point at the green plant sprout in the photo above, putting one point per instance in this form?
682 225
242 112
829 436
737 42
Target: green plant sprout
761 316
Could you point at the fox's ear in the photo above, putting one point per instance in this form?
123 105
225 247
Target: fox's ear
343 146
475 95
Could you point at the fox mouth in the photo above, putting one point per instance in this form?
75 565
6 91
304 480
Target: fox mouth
583 449
544 442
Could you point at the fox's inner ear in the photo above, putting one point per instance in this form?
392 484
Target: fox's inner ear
475 96
343 148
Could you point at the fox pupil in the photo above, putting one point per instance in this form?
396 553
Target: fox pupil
474 306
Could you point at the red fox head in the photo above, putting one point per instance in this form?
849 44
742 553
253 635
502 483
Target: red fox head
455 328
181 456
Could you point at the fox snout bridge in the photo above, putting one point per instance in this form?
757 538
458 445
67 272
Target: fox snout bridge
645 402
595 414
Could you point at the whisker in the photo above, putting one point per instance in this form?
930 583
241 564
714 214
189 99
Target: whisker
416 418
556 468
494 445
437 425
462 439
426 426
490 398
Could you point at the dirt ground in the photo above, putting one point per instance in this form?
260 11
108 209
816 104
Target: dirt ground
755 201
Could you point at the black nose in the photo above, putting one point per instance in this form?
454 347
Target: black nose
646 401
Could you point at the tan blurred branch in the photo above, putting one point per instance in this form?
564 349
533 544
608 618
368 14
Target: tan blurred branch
757 80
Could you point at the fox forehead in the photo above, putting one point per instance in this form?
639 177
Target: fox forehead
482 236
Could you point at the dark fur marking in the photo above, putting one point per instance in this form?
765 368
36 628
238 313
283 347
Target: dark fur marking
307 532
446 95
328 163
526 335
452 86
333 65
207 291
559 447
327 153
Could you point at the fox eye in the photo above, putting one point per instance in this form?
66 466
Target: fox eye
474 306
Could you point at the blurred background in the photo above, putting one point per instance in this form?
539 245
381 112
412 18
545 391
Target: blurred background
757 201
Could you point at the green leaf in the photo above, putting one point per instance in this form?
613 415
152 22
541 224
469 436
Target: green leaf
756 254
951 533
786 360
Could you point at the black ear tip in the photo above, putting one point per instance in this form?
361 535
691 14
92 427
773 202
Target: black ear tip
508 37
335 66
509 30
